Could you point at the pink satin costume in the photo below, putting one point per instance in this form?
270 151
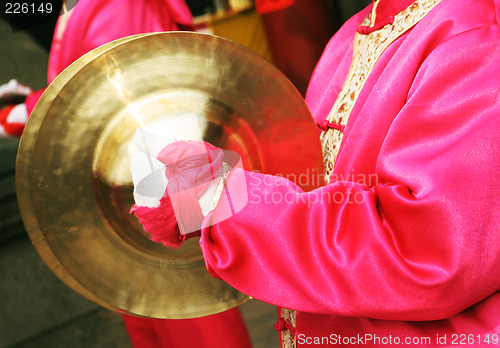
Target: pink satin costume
404 241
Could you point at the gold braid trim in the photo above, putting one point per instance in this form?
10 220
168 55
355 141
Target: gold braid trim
226 169
288 338
367 50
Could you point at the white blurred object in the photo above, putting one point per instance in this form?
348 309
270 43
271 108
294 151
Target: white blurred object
19 114
13 87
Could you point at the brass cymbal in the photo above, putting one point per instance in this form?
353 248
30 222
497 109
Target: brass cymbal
73 178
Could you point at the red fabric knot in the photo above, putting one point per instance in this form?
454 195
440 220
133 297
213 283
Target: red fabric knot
365 29
325 125
283 325
190 168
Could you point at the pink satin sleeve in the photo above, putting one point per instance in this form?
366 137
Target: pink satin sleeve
421 243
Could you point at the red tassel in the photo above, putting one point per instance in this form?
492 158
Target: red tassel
160 223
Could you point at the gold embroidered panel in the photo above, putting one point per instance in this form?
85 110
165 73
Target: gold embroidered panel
367 50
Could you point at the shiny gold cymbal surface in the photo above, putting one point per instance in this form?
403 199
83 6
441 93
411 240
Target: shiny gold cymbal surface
73 178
